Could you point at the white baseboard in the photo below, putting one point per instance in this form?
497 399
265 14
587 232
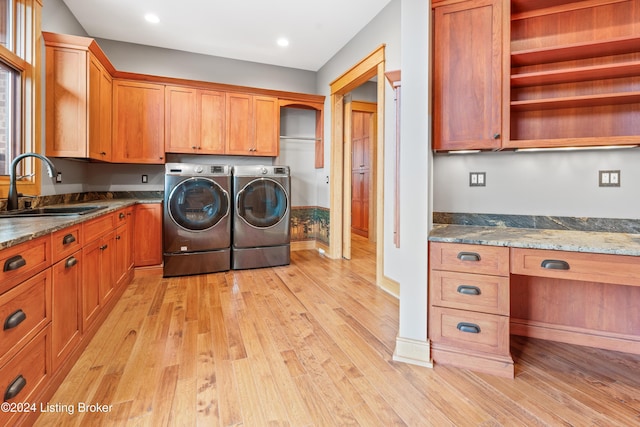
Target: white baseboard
413 352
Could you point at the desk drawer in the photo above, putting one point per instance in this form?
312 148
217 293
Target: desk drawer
487 333
601 268
475 292
465 258
22 261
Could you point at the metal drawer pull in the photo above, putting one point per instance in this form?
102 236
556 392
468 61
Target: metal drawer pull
69 238
468 290
103 247
14 319
14 263
470 328
555 264
15 387
71 262
468 256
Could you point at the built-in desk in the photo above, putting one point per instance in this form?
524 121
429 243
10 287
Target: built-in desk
486 283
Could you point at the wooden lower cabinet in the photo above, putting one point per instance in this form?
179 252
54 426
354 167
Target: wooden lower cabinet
469 307
123 269
66 318
148 234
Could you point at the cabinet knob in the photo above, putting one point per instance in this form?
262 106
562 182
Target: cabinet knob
14 319
102 153
496 135
71 262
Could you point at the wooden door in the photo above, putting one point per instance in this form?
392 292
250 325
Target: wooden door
138 122
211 111
239 124
66 319
267 126
147 231
362 123
468 75
91 273
181 124
100 111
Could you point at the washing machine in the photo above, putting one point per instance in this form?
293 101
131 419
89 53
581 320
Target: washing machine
197 219
261 217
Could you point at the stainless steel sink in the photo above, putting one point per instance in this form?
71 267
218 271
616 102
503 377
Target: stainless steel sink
51 211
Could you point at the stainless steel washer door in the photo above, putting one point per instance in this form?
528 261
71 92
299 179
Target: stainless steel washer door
198 204
262 203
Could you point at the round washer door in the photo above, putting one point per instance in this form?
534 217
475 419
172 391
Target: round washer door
198 204
262 203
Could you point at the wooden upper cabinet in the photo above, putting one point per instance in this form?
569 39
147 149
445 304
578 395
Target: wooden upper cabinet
252 125
138 122
194 120
100 111
468 69
78 99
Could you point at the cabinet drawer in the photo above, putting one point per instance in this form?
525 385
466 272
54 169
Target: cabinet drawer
20 262
487 333
25 373
23 311
99 226
465 258
475 292
65 242
601 268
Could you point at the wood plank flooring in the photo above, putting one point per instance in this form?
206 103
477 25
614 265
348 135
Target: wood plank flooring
310 344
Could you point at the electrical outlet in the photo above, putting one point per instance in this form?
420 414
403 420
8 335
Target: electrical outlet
145 179
59 178
477 179
609 178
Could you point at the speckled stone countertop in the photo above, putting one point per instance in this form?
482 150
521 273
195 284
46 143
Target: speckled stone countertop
563 240
14 231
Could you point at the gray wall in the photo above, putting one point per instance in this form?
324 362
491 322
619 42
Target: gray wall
543 183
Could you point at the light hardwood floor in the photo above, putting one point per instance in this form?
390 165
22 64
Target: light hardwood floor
310 344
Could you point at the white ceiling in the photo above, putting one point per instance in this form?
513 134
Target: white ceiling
238 29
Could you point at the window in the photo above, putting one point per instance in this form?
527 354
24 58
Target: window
19 90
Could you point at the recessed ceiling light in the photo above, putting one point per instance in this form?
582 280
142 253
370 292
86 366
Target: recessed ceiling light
283 42
150 17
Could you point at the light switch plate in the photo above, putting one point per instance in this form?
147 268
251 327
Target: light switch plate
609 178
477 179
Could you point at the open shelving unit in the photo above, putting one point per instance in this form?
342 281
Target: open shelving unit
575 73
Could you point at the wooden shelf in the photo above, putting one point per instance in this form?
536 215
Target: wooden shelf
572 142
580 74
569 52
522 8
576 101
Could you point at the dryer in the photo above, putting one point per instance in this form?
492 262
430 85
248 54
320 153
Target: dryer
262 216
197 219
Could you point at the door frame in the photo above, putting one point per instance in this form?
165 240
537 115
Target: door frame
369 67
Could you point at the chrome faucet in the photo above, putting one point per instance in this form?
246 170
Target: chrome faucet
12 199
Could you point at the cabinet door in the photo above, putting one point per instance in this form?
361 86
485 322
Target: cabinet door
66 102
66 319
138 122
239 124
211 111
91 274
100 111
267 126
123 252
148 234
181 121
108 267
468 75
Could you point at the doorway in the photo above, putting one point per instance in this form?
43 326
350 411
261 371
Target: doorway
360 135
368 68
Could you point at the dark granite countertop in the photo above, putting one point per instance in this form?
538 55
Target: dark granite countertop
14 231
616 243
